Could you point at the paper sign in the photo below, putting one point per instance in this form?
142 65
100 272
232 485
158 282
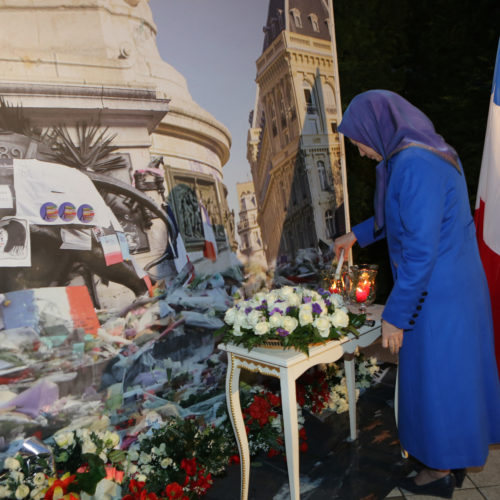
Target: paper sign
15 243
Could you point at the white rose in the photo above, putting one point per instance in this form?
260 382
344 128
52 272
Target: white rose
294 300
17 476
236 331
89 446
322 323
336 300
133 455
39 479
254 317
37 494
230 315
12 463
241 319
103 457
64 439
111 439
22 491
166 462
305 315
261 328
144 458
142 478
290 323
132 469
286 292
272 296
275 320
4 492
340 319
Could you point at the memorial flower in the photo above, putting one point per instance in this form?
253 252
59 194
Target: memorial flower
294 317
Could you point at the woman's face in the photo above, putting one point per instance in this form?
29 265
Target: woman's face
4 236
367 151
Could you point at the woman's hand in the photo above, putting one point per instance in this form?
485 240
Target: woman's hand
344 242
392 337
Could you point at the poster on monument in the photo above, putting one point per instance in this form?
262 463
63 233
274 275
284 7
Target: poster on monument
15 245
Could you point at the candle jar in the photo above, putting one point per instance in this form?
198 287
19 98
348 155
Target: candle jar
362 289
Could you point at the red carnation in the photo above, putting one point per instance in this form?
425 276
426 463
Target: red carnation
174 491
189 465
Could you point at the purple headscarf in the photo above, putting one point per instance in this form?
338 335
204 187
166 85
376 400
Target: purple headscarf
388 123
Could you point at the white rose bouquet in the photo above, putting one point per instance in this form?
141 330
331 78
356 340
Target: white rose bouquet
295 316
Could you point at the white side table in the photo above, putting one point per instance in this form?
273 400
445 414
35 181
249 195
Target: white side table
287 366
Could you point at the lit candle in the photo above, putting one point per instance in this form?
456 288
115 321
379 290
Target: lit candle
362 291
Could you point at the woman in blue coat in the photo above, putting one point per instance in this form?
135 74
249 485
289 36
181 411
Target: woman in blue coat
438 315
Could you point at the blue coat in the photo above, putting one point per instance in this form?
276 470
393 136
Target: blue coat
449 391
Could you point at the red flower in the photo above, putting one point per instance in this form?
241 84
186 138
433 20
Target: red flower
273 399
60 484
235 459
302 433
189 465
174 491
272 452
138 492
303 446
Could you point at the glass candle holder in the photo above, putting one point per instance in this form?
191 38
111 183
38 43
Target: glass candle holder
362 289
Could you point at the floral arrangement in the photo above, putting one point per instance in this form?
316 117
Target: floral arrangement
323 387
81 459
177 460
294 316
263 422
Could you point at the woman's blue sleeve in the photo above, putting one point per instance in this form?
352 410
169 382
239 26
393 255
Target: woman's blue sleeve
365 232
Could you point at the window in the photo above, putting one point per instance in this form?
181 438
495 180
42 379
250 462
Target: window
308 96
329 97
314 22
323 180
283 195
282 110
334 127
296 17
243 204
330 224
289 101
274 127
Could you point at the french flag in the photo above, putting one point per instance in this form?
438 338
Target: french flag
487 208
176 249
210 246
45 309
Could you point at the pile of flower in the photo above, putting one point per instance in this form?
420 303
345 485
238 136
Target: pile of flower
323 387
174 459
295 316
81 459
263 422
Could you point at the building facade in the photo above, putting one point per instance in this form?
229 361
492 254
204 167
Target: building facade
251 248
96 61
293 145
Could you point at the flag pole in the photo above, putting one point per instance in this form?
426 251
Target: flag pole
338 106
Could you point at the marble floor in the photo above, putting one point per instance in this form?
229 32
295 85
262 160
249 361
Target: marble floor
369 468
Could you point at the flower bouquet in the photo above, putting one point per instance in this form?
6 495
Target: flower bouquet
292 317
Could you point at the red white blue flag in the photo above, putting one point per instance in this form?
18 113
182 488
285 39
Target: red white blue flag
210 246
487 208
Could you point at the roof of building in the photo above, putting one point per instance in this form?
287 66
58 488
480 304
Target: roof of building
308 12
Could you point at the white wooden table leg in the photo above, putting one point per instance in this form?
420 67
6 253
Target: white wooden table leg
291 431
350 377
234 403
